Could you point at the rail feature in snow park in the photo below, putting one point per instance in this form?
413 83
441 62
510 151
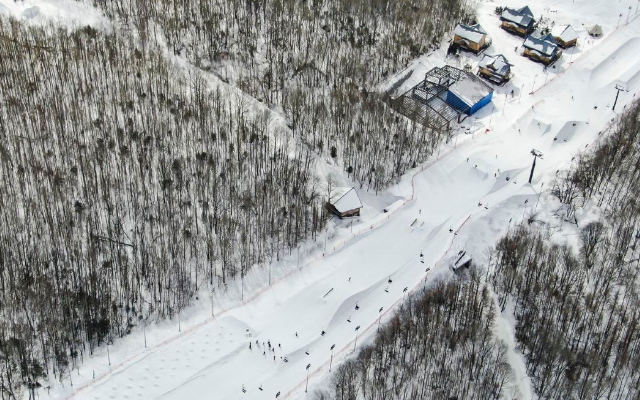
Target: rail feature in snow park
377 222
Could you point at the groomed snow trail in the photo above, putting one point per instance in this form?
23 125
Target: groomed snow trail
465 192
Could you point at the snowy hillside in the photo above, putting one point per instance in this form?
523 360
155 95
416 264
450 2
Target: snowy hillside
277 330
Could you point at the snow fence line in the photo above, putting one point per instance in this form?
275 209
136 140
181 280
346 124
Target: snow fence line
378 221
374 323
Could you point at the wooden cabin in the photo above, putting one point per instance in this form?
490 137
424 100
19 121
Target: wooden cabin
565 36
473 38
496 69
520 22
542 48
347 203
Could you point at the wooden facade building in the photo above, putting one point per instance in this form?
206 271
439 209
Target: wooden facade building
520 22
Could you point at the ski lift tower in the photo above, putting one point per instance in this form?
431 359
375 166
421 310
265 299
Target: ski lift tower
536 154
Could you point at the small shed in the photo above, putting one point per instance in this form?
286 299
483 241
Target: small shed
469 94
347 203
542 48
520 21
473 38
462 262
595 30
496 69
565 36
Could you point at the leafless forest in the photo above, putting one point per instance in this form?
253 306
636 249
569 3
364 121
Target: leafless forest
134 172
577 309
440 345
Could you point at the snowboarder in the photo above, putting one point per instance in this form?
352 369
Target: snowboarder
323 332
306 352
277 395
274 357
296 334
349 279
357 307
249 345
264 353
390 280
260 387
280 347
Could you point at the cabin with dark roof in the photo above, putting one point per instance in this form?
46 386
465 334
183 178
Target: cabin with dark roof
496 69
473 38
542 48
520 22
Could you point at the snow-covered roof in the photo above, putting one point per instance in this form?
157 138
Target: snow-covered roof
498 64
522 17
543 44
595 30
347 200
473 33
565 33
470 90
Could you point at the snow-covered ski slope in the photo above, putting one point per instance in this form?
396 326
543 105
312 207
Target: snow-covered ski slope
461 200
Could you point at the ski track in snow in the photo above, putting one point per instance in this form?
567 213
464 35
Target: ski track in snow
466 190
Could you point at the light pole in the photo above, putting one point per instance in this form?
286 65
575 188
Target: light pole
535 154
356 342
520 97
380 316
534 83
505 103
539 195
307 385
333 346
629 15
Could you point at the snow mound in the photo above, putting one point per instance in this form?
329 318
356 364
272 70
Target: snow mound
538 127
568 131
506 178
31 12
622 61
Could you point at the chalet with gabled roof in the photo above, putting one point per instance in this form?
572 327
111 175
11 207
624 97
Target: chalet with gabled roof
520 22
